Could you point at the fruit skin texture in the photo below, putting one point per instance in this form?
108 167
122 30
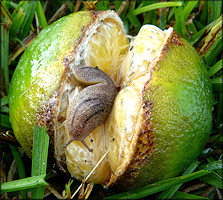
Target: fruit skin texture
39 73
178 101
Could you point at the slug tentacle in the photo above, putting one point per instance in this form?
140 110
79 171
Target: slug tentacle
92 105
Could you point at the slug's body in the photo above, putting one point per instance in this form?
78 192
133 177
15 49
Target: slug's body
91 106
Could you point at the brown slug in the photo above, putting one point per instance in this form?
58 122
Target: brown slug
92 105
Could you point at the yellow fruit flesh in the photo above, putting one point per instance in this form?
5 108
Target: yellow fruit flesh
145 50
107 49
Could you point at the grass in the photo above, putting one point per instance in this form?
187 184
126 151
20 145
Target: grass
39 164
199 22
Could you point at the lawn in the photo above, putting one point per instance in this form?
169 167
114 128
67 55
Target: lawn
199 22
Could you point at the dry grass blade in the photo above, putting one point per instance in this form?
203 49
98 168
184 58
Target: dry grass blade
6 138
54 192
195 187
47 3
122 7
90 5
60 12
102 158
29 87
77 6
85 193
211 36
5 13
219 193
208 191
37 24
12 171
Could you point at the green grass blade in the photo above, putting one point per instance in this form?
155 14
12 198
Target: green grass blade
22 19
177 27
162 20
219 118
217 83
214 10
214 69
18 17
156 6
39 158
20 42
171 15
210 159
6 14
23 184
4 101
203 16
9 4
103 5
167 194
20 5
217 139
4 109
117 5
182 23
213 179
41 16
182 195
198 35
20 165
40 151
133 19
5 122
192 28
5 55
216 45
188 8
215 50
212 166
159 186
19 162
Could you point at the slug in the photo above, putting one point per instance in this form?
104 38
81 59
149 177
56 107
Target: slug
91 107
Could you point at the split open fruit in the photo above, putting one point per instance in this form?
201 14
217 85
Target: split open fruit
162 114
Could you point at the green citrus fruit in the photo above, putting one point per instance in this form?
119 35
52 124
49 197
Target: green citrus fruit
161 117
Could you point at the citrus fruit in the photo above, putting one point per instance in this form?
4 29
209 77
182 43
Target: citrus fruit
161 116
